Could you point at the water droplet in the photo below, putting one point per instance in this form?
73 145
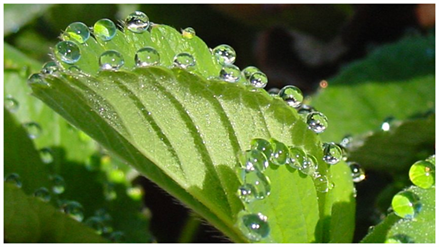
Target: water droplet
104 29
33 129
297 157
431 159
78 31
96 223
280 153
274 91
253 159
188 33
137 22
346 141
49 68
246 193
184 60
322 183
11 104
37 80
68 52
58 184
248 71
224 54
254 226
357 172
317 122
109 191
332 153
406 204
291 95
43 194
46 155
230 73
147 56
111 60
309 165
304 110
385 126
422 174
262 145
258 184
399 239
258 80
73 209
14 179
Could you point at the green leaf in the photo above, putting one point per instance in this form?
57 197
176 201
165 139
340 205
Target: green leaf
17 15
396 149
396 80
184 132
29 220
421 229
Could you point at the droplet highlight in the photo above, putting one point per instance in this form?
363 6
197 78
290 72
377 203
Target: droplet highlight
422 174
78 31
33 129
292 95
137 22
104 29
254 226
147 56
230 73
184 60
111 60
406 204
332 153
68 52
317 122
224 54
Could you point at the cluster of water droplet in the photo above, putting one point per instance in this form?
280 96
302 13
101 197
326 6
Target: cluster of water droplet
255 185
407 204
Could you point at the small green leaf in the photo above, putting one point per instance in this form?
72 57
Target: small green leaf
29 220
396 80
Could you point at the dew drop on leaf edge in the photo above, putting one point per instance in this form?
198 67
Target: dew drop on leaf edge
230 73
406 204
317 122
292 95
68 52
422 174
78 31
14 179
104 29
332 153
137 22
73 209
357 172
43 194
224 54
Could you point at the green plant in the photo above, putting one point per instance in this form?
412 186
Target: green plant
257 166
